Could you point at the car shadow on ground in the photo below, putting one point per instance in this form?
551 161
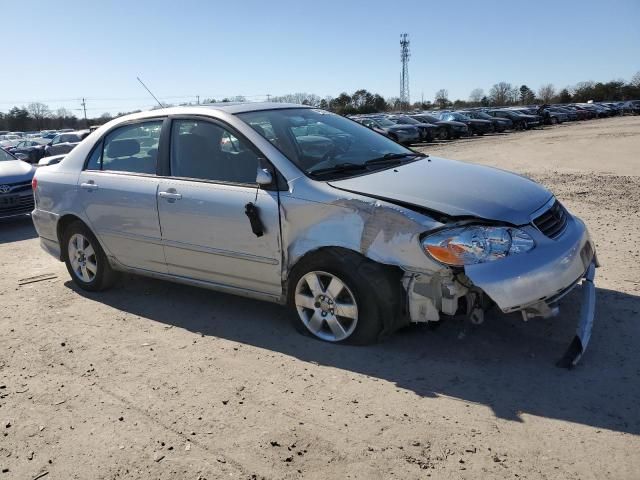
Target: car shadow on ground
505 364
16 229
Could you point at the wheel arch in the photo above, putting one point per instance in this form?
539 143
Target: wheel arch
67 219
393 271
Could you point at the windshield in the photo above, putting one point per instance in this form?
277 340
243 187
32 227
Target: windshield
482 115
456 116
319 141
5 156
409 120
385 122
426 118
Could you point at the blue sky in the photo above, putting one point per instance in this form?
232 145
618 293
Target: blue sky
65 50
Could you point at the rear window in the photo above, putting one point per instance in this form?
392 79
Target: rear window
131 148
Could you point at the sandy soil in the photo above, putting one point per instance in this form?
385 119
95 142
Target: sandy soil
154 380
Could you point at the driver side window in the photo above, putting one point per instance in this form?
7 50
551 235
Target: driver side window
207 151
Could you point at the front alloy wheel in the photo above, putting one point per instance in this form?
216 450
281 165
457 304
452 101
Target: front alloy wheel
82 257
326 306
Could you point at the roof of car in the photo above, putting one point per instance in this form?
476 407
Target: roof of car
241 107
227 107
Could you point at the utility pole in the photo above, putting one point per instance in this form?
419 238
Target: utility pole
198 99
404 75
84 107
268 97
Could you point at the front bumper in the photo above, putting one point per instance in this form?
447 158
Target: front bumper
20 204
534 282
517 282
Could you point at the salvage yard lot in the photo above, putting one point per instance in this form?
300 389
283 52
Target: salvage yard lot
156 380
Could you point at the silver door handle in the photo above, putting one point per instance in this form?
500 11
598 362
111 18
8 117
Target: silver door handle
89 186
170 195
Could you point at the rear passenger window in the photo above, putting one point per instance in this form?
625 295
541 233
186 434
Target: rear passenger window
132 148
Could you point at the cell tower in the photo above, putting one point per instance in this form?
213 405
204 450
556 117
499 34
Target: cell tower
404 75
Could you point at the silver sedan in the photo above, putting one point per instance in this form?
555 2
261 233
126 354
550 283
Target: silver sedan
357 233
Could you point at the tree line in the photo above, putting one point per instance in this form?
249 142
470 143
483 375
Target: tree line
38 116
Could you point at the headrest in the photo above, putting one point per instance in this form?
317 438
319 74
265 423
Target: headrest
123 148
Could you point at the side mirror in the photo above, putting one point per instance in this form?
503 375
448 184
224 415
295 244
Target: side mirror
263 177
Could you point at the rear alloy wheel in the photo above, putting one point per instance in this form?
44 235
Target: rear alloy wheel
85 260
326 306
82 257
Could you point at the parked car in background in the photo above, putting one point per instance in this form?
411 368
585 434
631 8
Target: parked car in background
64 142
590 113
449 129
632 106
9 137
599 112
406 134
428 131
532 112
16 195
499 124
30 150
572 116
475 126
520 120
365 240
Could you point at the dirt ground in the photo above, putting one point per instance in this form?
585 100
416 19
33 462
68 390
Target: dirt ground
154 380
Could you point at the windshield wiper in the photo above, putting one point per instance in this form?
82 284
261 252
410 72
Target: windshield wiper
340 167
393 157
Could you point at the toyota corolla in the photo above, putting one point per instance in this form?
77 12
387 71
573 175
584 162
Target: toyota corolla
358 234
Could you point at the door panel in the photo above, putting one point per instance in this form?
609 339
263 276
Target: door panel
123 212
207 235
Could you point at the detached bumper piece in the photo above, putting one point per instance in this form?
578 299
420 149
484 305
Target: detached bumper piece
579 343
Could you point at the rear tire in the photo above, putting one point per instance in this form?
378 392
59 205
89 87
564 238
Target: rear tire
369 299
85 260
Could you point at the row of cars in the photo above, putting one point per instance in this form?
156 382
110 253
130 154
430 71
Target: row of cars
427 126
32 147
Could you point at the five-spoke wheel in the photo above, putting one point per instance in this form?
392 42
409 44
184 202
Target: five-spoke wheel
82 257
326 306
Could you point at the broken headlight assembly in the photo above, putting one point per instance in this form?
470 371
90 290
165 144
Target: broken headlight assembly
474 244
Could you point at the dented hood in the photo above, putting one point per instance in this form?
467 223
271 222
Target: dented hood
455 189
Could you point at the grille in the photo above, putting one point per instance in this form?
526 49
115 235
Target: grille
18 187
25 204
552 222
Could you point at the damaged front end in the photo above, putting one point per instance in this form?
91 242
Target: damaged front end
531 282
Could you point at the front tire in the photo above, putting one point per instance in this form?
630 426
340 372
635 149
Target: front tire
85 260
341 297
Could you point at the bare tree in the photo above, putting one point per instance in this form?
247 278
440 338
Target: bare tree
442 98
500 93
547 92
39 111
476 95
635 80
